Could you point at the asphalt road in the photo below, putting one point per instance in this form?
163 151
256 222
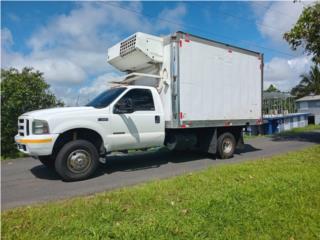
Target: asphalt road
25 181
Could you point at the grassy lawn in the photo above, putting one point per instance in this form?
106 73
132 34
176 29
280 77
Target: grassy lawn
271 198
248 137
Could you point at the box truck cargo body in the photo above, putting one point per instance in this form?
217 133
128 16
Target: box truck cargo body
180 91
203 83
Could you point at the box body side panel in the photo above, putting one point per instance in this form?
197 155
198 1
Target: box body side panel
218 83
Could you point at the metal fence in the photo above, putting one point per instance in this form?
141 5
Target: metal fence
275 103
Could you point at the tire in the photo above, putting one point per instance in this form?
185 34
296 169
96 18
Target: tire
77 160
226 145
47 161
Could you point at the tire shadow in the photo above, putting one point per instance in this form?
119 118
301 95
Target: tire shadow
139 161
246 149
44 172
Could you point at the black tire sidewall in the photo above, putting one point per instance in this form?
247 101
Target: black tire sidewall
61 160
221 138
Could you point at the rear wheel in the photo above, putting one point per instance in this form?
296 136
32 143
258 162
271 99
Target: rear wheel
48 161
77 160
226 145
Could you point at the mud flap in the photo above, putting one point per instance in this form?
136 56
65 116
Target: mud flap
208 141
240 142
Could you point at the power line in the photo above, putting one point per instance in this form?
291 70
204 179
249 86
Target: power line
283 14
198 29
239 17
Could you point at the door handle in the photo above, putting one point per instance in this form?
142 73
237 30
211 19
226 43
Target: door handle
157 119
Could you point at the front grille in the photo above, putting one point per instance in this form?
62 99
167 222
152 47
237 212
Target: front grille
128 46
27 127
23 127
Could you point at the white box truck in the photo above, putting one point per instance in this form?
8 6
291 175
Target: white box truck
181 91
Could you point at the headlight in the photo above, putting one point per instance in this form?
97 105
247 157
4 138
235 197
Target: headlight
40 127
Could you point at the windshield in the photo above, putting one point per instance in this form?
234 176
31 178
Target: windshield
105 98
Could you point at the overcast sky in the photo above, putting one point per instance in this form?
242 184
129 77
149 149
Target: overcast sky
68 41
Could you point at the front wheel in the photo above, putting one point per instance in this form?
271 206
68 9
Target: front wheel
226 145
77 160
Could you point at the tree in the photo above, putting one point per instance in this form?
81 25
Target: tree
272 88
309 84
306 32
21 92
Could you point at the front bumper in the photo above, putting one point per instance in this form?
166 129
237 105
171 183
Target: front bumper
36 145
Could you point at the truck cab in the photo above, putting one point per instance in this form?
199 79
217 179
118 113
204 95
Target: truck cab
121 118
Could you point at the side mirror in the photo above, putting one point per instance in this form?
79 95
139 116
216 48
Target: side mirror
125 106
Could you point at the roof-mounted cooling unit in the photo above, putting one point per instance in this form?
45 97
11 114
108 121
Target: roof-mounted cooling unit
136 52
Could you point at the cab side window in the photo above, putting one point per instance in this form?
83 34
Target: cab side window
142 99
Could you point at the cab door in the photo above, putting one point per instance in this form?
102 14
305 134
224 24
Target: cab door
137 122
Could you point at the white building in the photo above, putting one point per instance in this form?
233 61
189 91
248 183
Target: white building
310 104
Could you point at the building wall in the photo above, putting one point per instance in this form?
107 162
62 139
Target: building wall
309 106
312 107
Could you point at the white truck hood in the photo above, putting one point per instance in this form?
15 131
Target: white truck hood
50 112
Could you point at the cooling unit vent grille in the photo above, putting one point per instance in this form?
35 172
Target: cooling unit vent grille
128 46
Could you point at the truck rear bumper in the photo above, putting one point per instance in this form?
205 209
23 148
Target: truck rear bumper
37 145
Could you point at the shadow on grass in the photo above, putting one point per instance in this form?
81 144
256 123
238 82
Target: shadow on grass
139 161
313 137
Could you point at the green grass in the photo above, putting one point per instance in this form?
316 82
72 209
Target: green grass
249 137
271 198
14 155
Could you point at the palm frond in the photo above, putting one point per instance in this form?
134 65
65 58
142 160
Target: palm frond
309 84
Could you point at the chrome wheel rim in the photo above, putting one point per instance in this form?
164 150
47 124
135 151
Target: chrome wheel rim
79 161
227 146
